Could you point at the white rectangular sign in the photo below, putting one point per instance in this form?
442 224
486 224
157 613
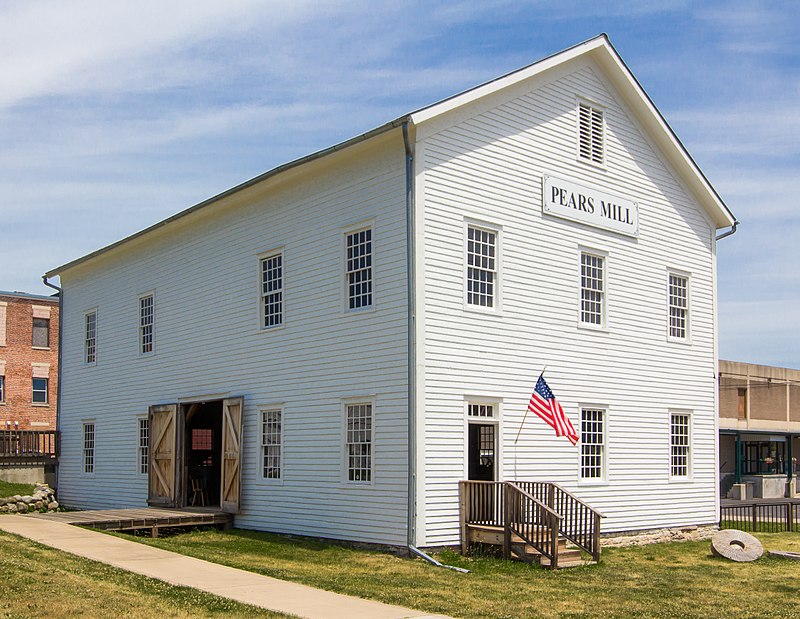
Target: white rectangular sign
570 200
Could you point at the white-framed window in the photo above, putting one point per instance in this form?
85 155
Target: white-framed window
678 303
2 388
680 444
272 290
90 338
358 268
591 133
147 321
88 447
272 444
358 441
482 264
593 444
143 452
593 289
40 391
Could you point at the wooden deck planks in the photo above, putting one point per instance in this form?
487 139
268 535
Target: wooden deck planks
139 518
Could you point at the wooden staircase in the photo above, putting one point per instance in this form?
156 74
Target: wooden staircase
554 531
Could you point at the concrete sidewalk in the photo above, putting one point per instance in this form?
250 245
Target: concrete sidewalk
228 582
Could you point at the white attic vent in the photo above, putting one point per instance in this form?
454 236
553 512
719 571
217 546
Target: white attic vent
590 133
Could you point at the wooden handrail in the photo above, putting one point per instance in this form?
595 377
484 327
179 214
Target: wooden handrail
517 506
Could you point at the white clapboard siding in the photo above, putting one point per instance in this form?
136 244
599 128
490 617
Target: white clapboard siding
204 273
488 166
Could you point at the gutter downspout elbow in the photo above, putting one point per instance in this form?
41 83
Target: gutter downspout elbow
728 233
60 349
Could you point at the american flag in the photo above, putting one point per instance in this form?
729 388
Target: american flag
544 404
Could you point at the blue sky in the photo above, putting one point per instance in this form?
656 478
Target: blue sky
116 115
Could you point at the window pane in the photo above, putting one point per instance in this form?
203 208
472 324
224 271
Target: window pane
88 448
359 442
271 444
481 266
592 289
41 332
679 441
592 443
40 390
91 335
272 290
359 269
144 445
146 322
678 306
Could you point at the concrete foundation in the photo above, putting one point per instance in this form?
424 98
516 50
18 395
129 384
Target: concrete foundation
29 474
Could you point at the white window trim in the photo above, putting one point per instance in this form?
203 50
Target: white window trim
688 478
598 253
344 287
670 338
139 419
46 392
260 479
96 323
4 387
259 278
602 108
497 230
139 323
603 480
496 420
345 402
84 423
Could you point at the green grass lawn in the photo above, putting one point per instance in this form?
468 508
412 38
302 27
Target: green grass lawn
37 581
9 489
660 580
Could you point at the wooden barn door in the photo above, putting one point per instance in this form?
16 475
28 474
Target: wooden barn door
165 460
231 454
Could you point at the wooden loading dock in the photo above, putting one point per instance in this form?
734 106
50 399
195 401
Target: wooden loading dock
153 518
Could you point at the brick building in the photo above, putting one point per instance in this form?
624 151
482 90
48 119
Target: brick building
28 361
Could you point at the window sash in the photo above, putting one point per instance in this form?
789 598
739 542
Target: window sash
678 306
144 445
592 289
146 323
679 445
2 388
272 290
480 410
88 448
592 444
39 391
359 442
41 333
359 269
481 266
271 444
91 337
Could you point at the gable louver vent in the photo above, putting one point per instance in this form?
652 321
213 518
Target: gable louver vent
590 138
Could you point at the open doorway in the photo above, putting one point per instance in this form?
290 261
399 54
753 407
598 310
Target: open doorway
203 453
195 454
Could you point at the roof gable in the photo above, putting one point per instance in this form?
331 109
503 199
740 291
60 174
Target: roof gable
616 72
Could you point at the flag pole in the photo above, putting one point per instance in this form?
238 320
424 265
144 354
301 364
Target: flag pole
525 416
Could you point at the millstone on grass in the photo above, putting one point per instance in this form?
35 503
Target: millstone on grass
736 545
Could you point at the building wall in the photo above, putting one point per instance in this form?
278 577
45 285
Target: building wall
486 164
17 356
204 273
771 397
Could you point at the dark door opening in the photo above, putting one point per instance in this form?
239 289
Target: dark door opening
203 454
481 452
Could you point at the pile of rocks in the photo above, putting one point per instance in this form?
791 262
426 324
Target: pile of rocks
43 497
